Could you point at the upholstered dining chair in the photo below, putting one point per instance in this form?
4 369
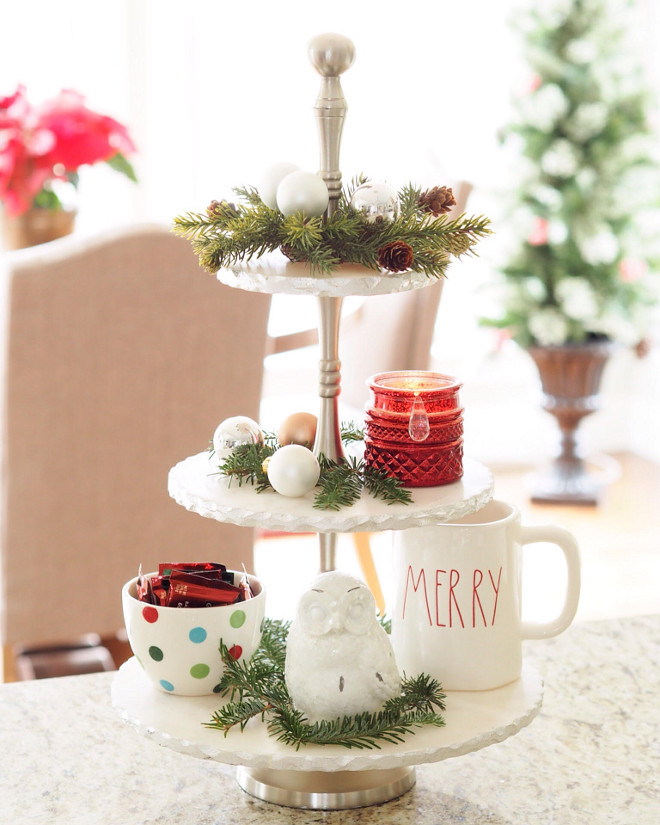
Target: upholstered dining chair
119 358
384 332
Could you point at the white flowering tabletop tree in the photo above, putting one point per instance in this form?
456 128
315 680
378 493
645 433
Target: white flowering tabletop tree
583 261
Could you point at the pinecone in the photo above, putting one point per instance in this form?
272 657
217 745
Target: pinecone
437 201
291 253
215 208
396 256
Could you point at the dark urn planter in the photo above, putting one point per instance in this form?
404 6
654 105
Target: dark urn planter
570 378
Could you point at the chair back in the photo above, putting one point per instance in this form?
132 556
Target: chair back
120 358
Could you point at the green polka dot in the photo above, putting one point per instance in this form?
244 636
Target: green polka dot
237 618
156 653
140 662
200 671
217 688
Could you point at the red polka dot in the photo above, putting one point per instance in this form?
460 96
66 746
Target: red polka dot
236 652
150 614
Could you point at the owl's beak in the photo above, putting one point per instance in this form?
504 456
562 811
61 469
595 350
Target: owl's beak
335 623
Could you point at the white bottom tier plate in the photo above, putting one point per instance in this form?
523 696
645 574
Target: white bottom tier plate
321 776
195 484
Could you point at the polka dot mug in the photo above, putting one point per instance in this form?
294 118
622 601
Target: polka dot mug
177 647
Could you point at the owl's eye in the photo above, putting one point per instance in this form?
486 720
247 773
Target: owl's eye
315 613
358 609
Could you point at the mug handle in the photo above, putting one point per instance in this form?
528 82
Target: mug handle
566 542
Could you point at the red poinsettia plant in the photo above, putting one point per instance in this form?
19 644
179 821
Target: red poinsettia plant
43 144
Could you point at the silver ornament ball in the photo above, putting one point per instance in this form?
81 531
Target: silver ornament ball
234 432
376 201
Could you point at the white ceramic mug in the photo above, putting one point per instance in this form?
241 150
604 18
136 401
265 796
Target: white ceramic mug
457 604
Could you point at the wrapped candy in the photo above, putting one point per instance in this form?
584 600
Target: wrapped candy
244 587
192 584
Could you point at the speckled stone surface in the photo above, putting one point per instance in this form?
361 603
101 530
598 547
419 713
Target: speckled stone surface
590 758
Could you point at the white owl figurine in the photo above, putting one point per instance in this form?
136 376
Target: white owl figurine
339 660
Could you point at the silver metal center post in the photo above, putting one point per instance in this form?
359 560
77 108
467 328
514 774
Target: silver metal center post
331 55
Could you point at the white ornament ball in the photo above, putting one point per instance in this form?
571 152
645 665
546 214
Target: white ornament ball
271 179
293 471
376 201
339 660
302 192
234 432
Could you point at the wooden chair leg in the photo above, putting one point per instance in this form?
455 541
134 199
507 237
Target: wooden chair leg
119 648
8 664
365 558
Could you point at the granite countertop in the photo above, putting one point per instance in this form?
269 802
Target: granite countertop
590 757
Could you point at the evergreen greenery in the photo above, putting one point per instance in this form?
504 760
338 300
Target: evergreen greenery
340 483
229 233
585 212
257 688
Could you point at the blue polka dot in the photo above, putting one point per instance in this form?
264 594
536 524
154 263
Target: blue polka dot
197 635
166 685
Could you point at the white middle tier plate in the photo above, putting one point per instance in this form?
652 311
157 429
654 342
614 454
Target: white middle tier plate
195 484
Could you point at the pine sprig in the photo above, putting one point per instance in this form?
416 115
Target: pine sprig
409 199
349 431
349 188
273 643
258 689
363 731
340 483
245 463
228 234
248 194
380 485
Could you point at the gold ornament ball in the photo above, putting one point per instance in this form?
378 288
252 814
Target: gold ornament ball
298 428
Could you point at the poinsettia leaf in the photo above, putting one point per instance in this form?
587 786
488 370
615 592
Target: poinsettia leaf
119 163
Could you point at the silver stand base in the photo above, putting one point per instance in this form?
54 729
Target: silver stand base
326 790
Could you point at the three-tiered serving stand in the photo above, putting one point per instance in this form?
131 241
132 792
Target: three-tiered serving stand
325 777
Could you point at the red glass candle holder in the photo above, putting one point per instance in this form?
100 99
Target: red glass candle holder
414 427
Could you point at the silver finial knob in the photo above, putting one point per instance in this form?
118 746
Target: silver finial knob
331 54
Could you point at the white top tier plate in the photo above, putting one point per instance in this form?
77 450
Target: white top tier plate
275 274
195 484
